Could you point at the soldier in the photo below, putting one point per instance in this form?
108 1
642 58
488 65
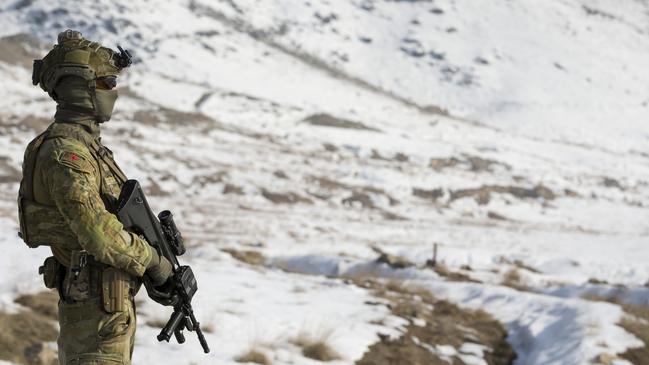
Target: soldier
67 195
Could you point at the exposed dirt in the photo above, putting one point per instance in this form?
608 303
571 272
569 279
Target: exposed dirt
171 116
210 179
285 198
232 189
30 122
637 323
152 188
360 196
433 323
21 49
44 303
439 164
496 216
393 216
482 195
250 257
329 147
23 335
280 174
327 183
398 157
8 172
610 182
432 194
359 199
327 120
469 162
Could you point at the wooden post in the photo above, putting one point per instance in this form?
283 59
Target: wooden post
434 253
433 261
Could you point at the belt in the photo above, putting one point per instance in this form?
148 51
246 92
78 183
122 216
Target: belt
89 279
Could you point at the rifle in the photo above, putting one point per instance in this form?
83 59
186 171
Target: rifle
134 213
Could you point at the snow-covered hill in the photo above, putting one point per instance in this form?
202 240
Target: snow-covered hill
513 134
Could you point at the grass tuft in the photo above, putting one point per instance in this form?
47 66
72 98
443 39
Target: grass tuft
316 347
253 356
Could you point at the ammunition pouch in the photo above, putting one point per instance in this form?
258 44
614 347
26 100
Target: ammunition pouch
88 279
52 272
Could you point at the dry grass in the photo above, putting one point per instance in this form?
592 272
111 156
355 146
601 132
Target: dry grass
248 256
443 271
513 279
253 356
482 194
445 324
636 322
640 329
316 346
285 198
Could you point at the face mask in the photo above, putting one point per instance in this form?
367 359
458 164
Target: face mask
105 104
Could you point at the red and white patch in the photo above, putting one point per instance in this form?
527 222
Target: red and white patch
73 157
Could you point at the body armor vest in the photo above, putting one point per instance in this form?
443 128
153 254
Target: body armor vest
43 225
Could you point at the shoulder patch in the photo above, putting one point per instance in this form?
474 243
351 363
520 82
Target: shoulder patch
75 156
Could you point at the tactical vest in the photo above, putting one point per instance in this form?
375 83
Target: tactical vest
44 225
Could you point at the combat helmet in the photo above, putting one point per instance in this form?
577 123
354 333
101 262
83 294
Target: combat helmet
74 55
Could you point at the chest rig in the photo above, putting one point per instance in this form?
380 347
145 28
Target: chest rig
43 225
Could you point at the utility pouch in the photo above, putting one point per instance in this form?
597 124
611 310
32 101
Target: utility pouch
115 285
52 272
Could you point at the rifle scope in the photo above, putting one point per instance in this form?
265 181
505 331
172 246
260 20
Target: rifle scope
171 232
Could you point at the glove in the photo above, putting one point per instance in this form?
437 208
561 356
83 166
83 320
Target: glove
159 269
158 286
164 294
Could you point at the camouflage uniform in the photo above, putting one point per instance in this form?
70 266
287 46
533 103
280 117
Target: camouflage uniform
69 187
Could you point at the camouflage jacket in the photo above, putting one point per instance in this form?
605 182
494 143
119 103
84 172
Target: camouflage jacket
70 184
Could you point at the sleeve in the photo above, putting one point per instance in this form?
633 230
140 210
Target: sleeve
72 179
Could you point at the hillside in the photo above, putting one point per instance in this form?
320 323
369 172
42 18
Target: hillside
295 141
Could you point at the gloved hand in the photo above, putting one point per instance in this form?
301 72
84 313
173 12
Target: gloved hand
159 269
164 294
157 283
